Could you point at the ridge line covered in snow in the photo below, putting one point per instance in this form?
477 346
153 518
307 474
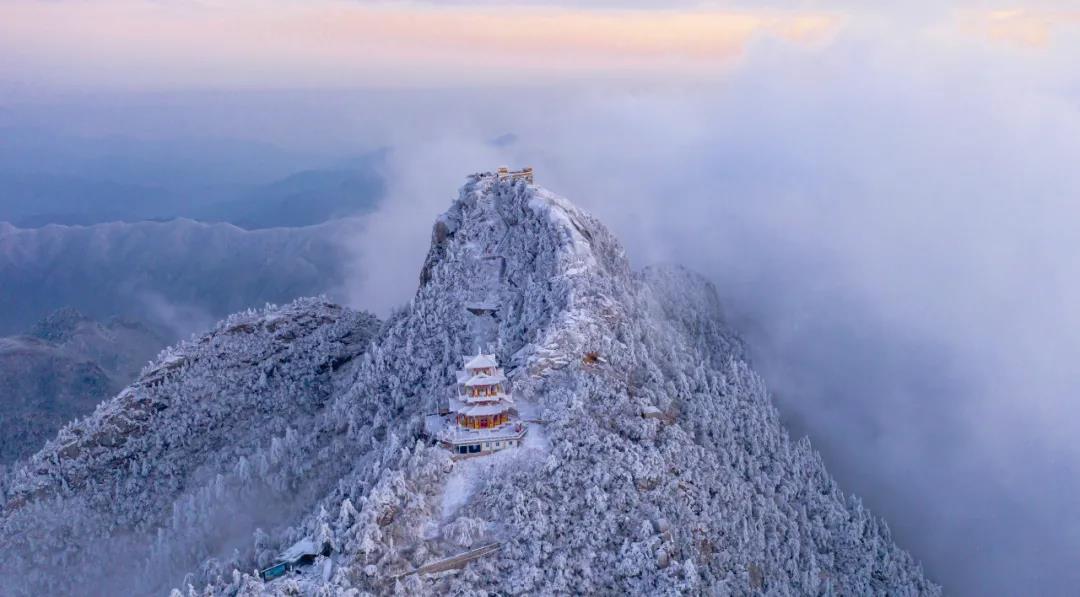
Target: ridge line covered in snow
663 467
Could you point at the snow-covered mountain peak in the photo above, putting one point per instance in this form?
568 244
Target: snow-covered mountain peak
654 461
495 210
549 266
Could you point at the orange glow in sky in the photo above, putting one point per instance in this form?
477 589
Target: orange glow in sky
329 42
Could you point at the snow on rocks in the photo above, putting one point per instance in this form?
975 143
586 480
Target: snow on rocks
744 509
208 445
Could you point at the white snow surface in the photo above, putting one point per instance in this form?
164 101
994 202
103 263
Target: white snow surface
302 547
480 361
713 497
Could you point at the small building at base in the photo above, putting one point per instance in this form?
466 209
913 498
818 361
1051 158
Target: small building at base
482 417
302 553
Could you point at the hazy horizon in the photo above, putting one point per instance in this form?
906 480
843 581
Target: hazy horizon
883 196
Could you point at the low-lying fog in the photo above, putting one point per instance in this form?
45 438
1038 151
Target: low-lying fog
896 240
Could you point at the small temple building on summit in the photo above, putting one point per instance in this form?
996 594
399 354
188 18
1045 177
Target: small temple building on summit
526 174
481 417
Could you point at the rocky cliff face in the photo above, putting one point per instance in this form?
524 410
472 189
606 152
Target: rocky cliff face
659 467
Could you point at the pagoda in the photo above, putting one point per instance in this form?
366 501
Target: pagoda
482 417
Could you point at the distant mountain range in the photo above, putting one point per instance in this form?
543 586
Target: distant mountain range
32 200
657 464
181 275
301 199
61 370
50 179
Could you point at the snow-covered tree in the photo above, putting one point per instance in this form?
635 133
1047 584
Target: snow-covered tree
661 466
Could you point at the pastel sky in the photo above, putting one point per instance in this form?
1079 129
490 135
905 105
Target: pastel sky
886 191
142 44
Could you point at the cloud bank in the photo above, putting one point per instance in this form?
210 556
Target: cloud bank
888 210
894 232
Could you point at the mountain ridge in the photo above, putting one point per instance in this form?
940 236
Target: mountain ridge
61 370
181 274
660 468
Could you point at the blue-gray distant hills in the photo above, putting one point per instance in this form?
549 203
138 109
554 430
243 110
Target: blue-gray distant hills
61 369
181 274
308 197
301 199
47 178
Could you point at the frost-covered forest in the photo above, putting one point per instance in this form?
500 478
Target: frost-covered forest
660 466
61 369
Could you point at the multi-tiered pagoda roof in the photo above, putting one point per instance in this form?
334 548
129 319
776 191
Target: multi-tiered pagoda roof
482 417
